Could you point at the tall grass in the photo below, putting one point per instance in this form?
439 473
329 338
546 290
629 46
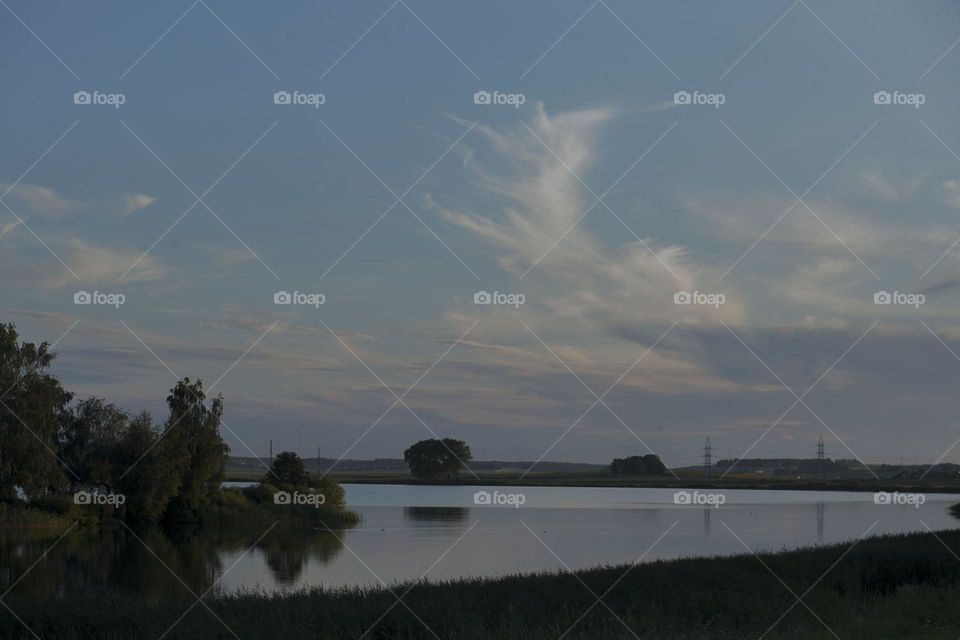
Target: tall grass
903 586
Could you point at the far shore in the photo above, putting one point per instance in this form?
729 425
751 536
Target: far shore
929 485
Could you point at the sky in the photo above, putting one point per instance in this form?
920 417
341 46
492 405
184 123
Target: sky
790 169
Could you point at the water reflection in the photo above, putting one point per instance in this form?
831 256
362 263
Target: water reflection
821 510
420 516
152 563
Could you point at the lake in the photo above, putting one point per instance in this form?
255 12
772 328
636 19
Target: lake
407 528
441 532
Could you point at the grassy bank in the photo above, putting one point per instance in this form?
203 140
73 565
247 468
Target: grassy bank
935 485
903 586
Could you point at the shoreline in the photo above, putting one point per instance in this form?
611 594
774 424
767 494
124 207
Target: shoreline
950 486
892 586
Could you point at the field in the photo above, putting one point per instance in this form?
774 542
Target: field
888 587
733 481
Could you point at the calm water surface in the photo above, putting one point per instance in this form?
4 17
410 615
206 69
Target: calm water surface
439 532
409 531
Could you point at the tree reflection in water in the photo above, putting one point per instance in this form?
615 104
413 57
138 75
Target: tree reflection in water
152 563
427 516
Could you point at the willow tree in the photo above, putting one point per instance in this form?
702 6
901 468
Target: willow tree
31 404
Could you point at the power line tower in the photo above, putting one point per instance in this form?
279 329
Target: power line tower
707 458
820 454
271 452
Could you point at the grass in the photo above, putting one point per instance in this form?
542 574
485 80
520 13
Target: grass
896 587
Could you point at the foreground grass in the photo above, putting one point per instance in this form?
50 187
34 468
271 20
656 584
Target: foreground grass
905 586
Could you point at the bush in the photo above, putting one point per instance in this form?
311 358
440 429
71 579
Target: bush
260 493
233 499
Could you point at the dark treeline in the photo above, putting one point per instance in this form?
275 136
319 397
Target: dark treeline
56 452
648 465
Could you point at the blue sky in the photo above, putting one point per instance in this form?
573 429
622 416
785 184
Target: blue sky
694 198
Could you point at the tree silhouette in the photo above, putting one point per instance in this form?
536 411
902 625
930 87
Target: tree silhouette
432 459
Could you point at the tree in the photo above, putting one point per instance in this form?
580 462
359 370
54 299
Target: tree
648 465
32 402
141 472
431 459
89 435
193 449
288 472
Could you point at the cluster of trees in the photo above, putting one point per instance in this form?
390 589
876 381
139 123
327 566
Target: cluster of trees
648 465
51 447
437 459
